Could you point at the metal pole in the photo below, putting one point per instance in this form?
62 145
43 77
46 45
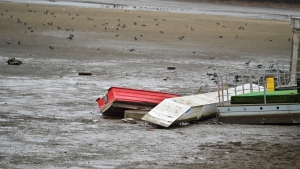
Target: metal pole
283 75
222 88
278 75
243 83
264 82
219 89
227 88
250 79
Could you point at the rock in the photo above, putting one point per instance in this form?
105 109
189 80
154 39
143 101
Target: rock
129 120
13 61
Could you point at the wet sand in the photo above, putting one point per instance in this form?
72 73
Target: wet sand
49 116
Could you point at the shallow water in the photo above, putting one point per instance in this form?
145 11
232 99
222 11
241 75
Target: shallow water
179 7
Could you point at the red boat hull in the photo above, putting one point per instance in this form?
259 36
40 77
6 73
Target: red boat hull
119 99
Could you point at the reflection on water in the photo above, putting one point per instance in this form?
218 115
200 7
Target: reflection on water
177 6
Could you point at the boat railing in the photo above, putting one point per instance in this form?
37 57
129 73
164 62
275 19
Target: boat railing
278 72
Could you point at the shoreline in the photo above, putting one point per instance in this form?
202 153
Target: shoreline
216 8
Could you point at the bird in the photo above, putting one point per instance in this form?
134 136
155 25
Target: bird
117 34
8 43
51 47
143 25
289 39
236 36
181 37
58 27
119 20
247 63
210 74
192 29
19 42
131 50
220 36
134 23
161 31
135 38
157 24
270 40
259 66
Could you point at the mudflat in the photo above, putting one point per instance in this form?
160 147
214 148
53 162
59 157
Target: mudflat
49 116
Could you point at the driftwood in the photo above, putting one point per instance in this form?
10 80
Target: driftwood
85 73
171 67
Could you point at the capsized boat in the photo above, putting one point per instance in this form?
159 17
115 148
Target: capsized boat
193 107
119 99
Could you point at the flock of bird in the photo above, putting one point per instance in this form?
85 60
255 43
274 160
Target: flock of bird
105 25
119 26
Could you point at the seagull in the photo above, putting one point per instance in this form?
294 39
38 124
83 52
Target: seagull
58 27
51 47
247 63
131 50
134 23
135 38
8 43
